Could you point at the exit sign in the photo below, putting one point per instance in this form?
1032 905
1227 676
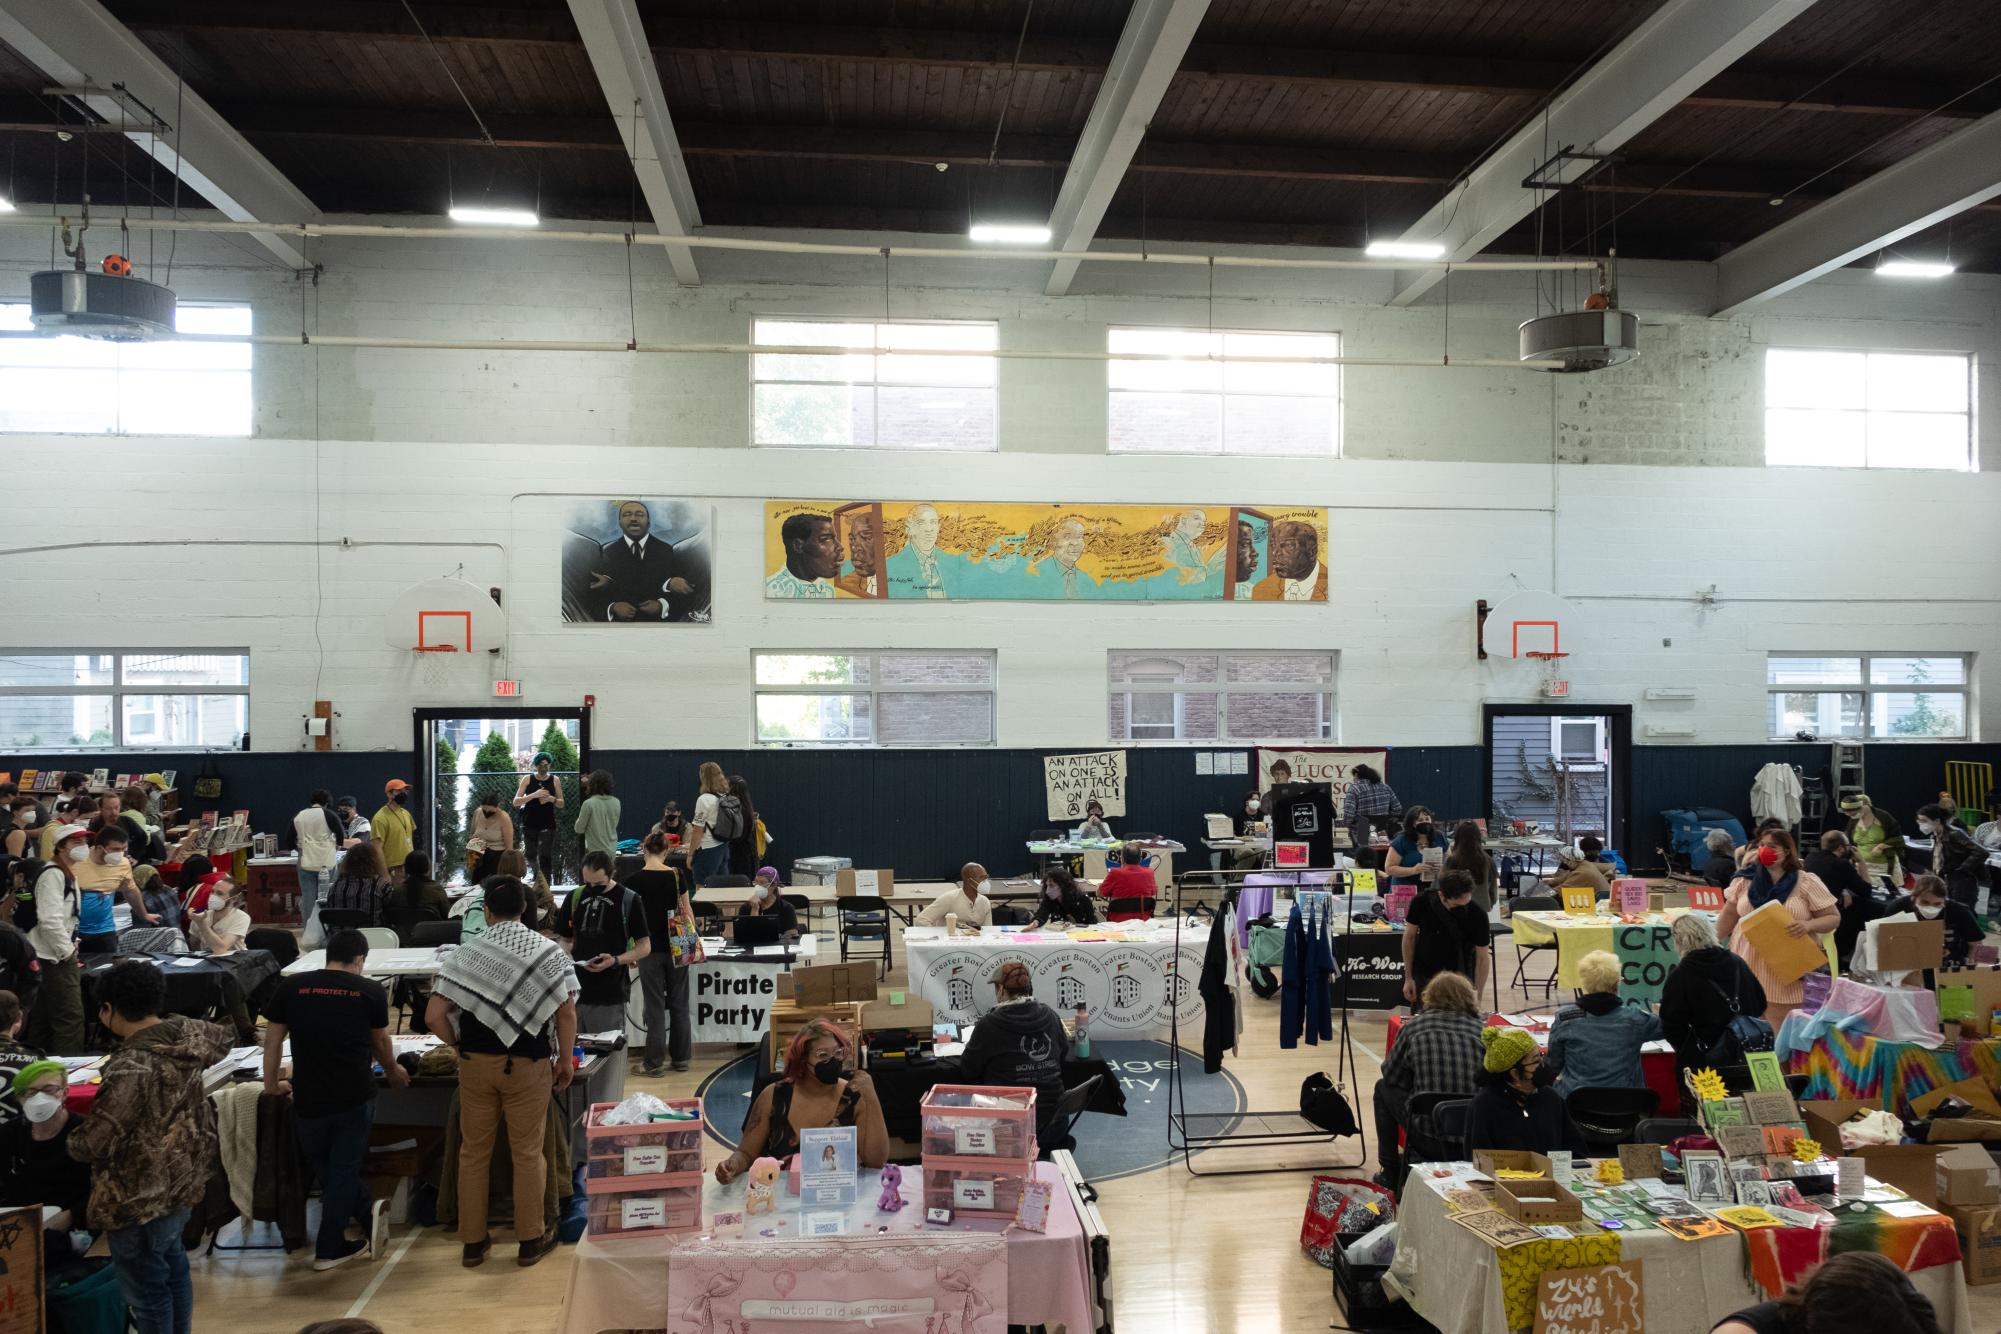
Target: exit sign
506 689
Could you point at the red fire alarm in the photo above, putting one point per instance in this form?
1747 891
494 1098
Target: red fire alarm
590 701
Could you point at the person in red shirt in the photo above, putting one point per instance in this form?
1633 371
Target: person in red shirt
1132 881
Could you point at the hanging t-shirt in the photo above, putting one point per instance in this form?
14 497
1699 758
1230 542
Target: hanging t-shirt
1446 937
332 1017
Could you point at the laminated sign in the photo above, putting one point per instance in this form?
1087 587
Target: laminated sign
1074 781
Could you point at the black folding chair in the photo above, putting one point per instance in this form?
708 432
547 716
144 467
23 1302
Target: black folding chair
284 946
342 919
1012 914
1665 1129
426 935
1063 1125
1430 1146
1535 903
1607 1118
864 917
800 904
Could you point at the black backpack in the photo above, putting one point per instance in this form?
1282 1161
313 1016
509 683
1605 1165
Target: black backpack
1322 1105
1744 1034
30 870
600 924
729 819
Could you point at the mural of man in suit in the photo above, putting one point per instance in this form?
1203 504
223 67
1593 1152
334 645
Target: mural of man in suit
635 578
1247 562
920 570
858 526
812 558
1297 574
1063 578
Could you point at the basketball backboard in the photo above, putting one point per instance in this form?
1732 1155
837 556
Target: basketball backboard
1530 625
444 613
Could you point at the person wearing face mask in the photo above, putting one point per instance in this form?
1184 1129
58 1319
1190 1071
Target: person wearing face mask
1063 900
1835 862
1515 1107
57 1023
1251 816
494 828
1019 1043
220 928
1956 858
395 828
763 901
1878 838
603 926
1405 862
816 1091
1929 901
1775 875
1094 825
1367 802
101 876
35 1163
22 812
969 900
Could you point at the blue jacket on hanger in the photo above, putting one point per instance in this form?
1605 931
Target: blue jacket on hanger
1306 1001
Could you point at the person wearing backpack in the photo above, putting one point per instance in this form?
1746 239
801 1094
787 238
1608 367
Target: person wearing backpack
1704 999
603 926
718 819
49 913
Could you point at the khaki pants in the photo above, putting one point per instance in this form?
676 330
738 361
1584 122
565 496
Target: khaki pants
496 1092
57 1022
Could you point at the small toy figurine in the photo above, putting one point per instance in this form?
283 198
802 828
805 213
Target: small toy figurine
892 1197
761 1196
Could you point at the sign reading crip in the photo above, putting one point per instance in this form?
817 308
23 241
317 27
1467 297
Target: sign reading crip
1075 781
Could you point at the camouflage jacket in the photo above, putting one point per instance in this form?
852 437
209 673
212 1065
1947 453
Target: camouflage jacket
150 1136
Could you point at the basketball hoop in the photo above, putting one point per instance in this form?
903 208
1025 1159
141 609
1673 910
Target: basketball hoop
1552 666
435 661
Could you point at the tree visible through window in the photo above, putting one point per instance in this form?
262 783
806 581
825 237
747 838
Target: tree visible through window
1876 695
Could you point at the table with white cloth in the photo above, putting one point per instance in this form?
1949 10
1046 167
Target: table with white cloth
423 962
1126 975
1452 1277
626 1284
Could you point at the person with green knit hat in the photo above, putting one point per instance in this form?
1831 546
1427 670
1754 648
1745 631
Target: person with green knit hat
35 1163
1515 1107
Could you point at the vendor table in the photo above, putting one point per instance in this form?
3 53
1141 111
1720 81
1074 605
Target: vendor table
1126 976
1656 1061
1840 1064
906 898
1455 1280
625 1284
900 1087
1575 935
1096 851
423 962
199 985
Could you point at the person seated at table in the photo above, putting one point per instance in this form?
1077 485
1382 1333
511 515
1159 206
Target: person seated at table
1835 862
1094 825
1856 1292
763 900
197 874
969 900
1515 1108
1252 814
161 901
1445 933
1130 882
1595 1044
420 898
221 926
1063 900
35 1163
1928 902
1438 1050
362 886
1574 869
1707 989
1019 1043
817 1090
1775 875
1719 868
1405 863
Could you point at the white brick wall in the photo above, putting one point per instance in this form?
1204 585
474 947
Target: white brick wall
1629 491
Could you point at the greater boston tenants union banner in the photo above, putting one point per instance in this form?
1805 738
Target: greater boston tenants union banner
977 551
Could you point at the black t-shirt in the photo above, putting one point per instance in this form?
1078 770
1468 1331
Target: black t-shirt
41 1171
1446 937
539 814
476 1039
659 892
332 1017
610 986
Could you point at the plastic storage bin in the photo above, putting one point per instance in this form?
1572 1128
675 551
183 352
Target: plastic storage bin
652 1149
971 1121
975 1188
644 1206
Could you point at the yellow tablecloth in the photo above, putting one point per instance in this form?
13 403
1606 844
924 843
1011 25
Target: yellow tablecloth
1574 935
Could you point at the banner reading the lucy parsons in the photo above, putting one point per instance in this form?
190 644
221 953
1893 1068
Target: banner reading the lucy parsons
975 551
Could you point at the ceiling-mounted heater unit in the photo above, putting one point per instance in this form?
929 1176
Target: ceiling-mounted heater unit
100 305
1581 340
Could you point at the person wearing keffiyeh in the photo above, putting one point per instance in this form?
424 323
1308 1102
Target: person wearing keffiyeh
1773 874
496 998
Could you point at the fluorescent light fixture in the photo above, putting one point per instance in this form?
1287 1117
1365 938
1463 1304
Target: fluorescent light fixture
1009 233
494 217
1405 249
6 204
1912 268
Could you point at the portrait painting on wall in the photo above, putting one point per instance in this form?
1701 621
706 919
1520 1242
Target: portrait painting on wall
637 562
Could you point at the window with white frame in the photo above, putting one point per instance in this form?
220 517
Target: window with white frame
107 699
932 387
901 697
1879 696
1190 391
87 386
1832 409
1273 695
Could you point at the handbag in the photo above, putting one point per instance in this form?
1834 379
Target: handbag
1745 1033
208 783
1338 1206
684 941
1322 1104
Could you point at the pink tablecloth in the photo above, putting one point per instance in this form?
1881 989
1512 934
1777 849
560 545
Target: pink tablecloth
622 1285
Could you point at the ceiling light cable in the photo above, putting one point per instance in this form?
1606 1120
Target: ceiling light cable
1007 89
445 65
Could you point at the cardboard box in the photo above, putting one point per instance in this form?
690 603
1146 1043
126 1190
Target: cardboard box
1903 947
828 984
850 882
1986 984
1537 1202
1967 1177
1984 1125
1979 1229
1911 1168
1491 1161
915 1012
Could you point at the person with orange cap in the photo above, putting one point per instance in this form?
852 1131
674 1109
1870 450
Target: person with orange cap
395 827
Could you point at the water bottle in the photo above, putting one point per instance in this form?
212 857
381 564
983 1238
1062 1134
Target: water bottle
577 1057
1083 1043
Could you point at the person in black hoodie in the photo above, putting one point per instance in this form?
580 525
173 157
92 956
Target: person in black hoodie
1956 858
1834 861
1020 1042
1696 1000
1514 1107
1063 900
1928 902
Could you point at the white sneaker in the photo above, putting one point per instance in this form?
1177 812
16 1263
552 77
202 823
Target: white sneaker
378 1230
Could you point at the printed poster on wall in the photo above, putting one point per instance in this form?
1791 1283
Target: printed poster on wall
1073 782
637 562
1332 765
978 551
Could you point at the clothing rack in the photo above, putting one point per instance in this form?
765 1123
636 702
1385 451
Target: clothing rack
1188 1133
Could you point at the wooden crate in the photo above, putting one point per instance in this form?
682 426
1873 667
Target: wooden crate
788 1017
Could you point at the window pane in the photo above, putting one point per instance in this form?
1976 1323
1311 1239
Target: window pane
54 722
807 415
1278 716
85 385
1317 669
1789 670
65 669
959 370
1193 376
1200 716
1153 717
1164 423
937 669
1163 668
939 418
802 669
1833 714
1920 713
1798 378
185 720
57 400
936 716
1920 440
1917 383
1943 671
1279 426
1270 378
187 669
1801 438
813 718
212 319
